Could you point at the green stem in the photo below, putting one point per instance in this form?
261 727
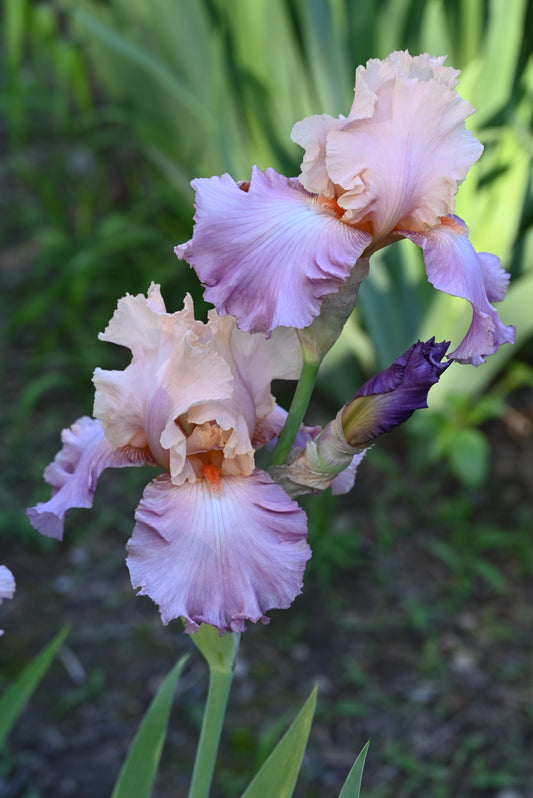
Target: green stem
220 653
297 410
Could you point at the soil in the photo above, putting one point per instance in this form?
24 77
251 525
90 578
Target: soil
431 663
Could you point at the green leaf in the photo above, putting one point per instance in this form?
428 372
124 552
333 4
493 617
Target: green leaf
278 774
352 785
17 696
140 768
501 50
15 30
435 31
140 57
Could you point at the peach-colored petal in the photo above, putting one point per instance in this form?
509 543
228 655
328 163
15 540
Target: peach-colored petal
191 387
311 133
138 320
399 156
402 166
255 361
176 367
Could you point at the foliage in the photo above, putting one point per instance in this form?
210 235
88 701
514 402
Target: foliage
15 698
140 768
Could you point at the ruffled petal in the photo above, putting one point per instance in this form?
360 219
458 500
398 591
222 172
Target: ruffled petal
74 473
138 321
175 366
218 554
453 266
269 254
255 361
311 133
402 165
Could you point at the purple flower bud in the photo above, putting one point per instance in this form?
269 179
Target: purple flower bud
391 397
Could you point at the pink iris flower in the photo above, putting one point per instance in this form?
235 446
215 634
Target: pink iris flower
269 250
216 540
7 586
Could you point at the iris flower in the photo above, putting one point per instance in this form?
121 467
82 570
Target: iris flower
215 539
271 249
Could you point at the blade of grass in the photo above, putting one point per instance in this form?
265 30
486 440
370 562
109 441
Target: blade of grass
352 785
278 774
139 770
18 694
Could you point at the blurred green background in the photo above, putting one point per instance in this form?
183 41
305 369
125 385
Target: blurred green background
109 109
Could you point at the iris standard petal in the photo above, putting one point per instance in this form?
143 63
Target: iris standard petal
311 133
255 361
402 165
74 473
453 266
175 366
268 254
218 554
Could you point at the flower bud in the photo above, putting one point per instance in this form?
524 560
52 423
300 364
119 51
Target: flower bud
392 396
382 403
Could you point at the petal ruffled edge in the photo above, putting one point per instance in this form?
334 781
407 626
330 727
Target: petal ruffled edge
454 266
74 473
218 556
268 253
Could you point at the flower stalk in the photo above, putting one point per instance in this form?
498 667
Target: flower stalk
220 653
297 410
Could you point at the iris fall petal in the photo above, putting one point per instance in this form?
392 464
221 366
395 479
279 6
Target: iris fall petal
268 255
219 554
74 473
453 266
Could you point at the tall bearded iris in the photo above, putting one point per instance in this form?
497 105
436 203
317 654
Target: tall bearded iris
215 539
270 250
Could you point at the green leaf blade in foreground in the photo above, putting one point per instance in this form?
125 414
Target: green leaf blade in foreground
17 696
352 785
278 774
139 770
